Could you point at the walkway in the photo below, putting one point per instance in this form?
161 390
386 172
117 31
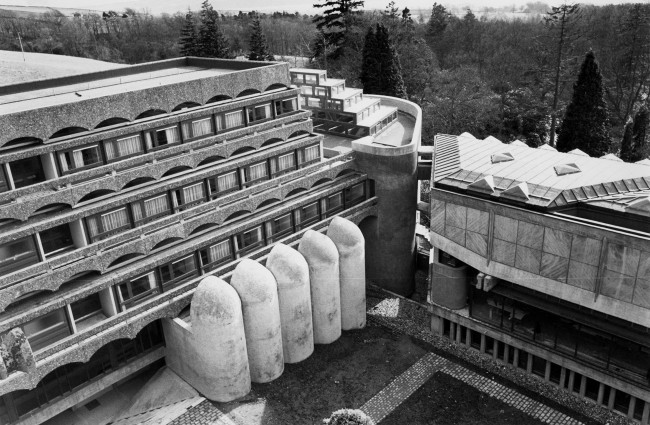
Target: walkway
402 387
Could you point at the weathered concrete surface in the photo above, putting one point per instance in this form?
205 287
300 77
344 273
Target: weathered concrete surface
259 296
212 353
350 243
323 259
291 273
449 285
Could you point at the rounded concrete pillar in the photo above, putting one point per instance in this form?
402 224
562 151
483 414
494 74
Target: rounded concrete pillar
291 272
449 285
259 296
350 243
323 259
220 362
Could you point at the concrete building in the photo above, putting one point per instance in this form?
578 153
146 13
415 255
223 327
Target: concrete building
542 260
121 190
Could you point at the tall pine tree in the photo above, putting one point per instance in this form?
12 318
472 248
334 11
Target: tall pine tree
211 42
189 37
381 72
369 77
640 133
627 143
390 70
585 124
259 48
333 25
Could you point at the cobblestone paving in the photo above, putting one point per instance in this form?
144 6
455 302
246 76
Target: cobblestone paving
402 387
203 414
509 396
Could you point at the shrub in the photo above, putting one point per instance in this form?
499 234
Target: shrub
349 417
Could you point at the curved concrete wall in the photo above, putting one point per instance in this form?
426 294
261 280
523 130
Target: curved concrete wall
350 243
219 362
390 258
259 296
291 272
323 259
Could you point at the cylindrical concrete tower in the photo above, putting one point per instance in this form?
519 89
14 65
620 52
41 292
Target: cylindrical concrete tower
390 237
259 296
352 266
220 361
323 259
291 272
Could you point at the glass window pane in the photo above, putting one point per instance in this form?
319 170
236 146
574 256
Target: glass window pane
310 211
17 254
27 171
141 284
282 224
47 329
56 239
86 306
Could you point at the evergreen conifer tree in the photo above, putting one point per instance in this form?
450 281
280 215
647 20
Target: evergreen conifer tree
585 124
640 134
211 42
369 64
259 48
390 70
189 37
627 141
333 25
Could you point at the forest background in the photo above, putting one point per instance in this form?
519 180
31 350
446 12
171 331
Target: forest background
489 72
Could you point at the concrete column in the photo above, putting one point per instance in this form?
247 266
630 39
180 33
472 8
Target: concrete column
506 353
212 358
323 260
483 343
612 397
529 364
495 349
515 360
632 405
572 377
390 238
291 273
352 271
78 234
437 324
583 386
259 298
49 166
562 376
645 416
547 371
601 393
106 298
452 330
459 333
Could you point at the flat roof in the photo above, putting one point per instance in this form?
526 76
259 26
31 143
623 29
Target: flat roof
535 176
100 87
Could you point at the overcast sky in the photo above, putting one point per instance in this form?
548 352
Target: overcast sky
303 6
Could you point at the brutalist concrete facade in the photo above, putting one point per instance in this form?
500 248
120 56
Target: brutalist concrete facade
121 190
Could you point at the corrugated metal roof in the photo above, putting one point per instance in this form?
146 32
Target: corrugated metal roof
463 160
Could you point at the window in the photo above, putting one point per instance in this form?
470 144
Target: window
250 239
26 172
150 209
310 154
283 164
256 172
320 91
17 254
56 240
224 183
87 311
285 106
334 203
309 214
107 224
189 196
307 90
162 137
215 255
197 128
280 227
129 293
177 271
314 103
4 183
355 194
46 330
311 79
79 159
230 120
124 147
261 112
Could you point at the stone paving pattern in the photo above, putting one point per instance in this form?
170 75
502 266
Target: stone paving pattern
203 414
402 387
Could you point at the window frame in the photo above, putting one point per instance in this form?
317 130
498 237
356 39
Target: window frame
149 218
69 153
351 202
213 264
189 122
115 142
222 117
215 179
280 109
251 247
135 299
176 280
302 154
249 183
308 222
103 234
274 163
178 197
252 110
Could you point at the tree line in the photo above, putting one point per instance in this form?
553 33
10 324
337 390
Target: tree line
513 78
